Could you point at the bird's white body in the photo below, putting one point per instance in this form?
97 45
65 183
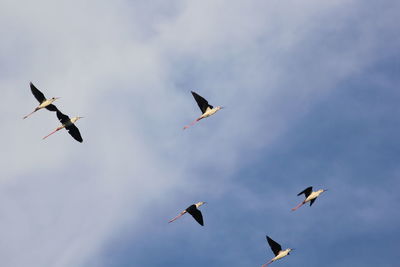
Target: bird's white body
70 122
47 103
74 119
206 109
314 195
44 102
198 204
209 112
42 105
310 196
282 253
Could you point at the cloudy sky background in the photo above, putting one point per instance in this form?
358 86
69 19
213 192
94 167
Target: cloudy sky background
311 90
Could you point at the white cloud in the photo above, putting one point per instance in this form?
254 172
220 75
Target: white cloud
128 68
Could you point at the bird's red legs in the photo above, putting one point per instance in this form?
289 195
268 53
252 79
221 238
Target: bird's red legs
56 130
298 206
177 217
266 264
192 123
36 109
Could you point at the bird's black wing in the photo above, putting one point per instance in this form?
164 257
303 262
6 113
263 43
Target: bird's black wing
62 117
192 210
306 191
51 107
203 104
74 132
274 246
37 94
312 201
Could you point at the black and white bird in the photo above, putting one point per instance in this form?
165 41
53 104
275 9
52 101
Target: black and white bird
44 103
205 108
310 195
69 124
194 211
277 250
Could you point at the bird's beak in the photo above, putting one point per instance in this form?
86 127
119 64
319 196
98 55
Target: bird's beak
325 190
57 97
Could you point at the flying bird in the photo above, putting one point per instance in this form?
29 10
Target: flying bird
205 108
277 250
310 196
44 103
194 211
69 124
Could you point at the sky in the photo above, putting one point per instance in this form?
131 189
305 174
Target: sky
311 90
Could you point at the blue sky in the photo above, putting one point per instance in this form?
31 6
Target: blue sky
311 96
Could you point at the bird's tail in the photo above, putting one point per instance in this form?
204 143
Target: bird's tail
298 206
192 123
56 130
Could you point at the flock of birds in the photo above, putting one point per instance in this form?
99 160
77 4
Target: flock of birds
67 122
207 110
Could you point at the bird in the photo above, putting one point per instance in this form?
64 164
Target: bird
277 250
194 211
69 124
311 196
205 108
44 103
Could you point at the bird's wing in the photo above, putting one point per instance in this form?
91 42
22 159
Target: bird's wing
196 215
37 94
203 104
62 117
274 246
74 132
51 107
312 201
306 191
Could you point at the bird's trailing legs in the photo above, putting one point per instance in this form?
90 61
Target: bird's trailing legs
177 217
266 264
298 206
192 123
56 130
36 109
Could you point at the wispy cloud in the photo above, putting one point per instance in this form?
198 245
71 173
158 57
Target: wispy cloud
128 67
